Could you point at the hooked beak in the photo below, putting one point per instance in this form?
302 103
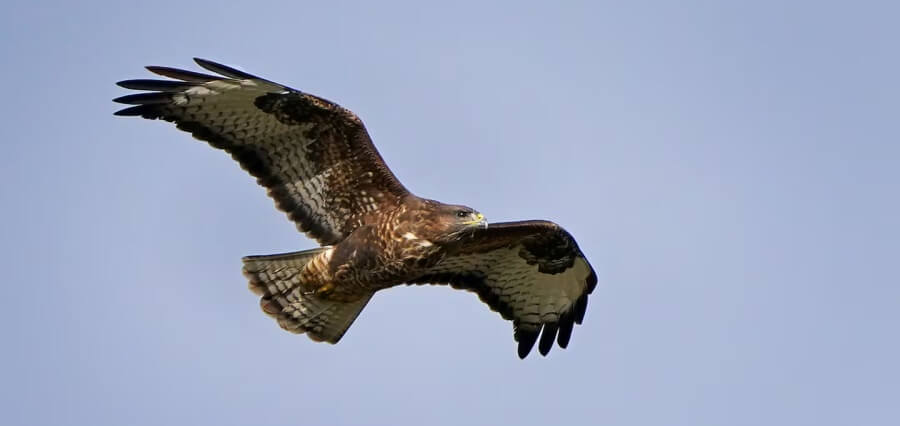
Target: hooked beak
480 221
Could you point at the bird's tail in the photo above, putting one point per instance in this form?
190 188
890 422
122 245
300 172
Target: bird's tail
277 279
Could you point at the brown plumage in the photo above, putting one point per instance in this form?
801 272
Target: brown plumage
318 163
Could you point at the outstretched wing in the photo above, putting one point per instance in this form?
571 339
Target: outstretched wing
314 157
532 273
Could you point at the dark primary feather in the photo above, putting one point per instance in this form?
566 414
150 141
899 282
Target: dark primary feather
135 111
548 335
521 270
526 339
144 99
581 305
156 85
183 75
566 324
224 70
314 157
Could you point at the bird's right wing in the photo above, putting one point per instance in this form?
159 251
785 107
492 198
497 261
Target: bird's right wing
532 273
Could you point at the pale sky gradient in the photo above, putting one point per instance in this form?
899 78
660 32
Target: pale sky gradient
730 168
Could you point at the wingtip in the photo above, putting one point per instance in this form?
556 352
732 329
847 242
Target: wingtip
183 75
121 99
548 337
526 340
154 85
224 70
580 309
523 353
139 111
123 113
591 281
566 324
144 98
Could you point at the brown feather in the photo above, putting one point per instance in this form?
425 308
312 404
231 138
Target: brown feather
522 270
320 166
314 157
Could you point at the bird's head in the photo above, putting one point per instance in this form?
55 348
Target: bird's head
467 217
450 223
441 223
460 221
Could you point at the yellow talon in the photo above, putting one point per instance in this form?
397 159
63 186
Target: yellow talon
325 288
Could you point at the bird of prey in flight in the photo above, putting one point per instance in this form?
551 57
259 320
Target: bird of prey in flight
317 162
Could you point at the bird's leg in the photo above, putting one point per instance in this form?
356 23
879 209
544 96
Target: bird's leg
340 275
325 289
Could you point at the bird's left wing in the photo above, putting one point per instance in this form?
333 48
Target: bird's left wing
531 272
314 157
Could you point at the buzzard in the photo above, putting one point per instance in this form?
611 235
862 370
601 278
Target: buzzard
317 162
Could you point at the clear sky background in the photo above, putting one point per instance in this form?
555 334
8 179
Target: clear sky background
730 168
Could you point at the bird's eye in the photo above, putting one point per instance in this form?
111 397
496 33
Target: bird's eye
461 213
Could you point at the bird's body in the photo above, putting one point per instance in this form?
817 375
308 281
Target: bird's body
316 160
386 251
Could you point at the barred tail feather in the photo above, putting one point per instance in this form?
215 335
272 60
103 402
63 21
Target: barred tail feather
277 279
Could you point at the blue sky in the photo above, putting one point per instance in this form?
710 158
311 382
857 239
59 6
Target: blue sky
730 168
